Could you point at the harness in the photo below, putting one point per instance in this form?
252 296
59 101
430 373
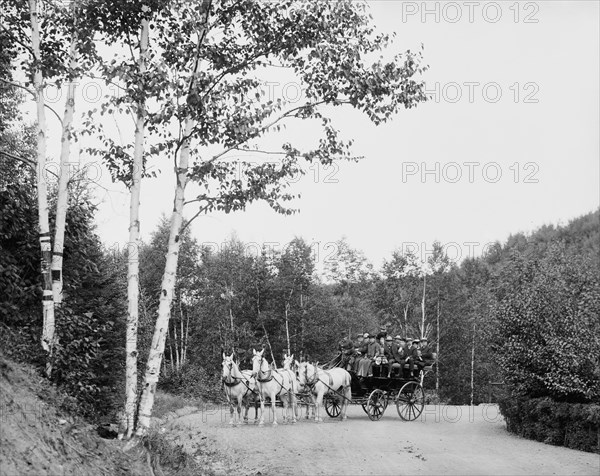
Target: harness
269 377
317 379
236 381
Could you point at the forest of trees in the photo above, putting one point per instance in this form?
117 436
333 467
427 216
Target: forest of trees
106 325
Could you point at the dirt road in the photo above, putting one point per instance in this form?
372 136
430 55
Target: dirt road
444 440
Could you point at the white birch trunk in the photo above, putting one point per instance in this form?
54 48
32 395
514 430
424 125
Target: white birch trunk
473 365
43 224
287 328
62 201
172 360
423 307
134 247
175 341
181 336
437 349
187 334
166 295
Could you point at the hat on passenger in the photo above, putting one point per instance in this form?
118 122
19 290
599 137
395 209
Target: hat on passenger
399 338
424 339
416 341
366 335
388 338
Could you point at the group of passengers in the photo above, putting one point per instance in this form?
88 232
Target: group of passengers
386 353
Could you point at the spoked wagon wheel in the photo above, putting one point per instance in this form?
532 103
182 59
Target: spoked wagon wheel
410 401
376 404
333 406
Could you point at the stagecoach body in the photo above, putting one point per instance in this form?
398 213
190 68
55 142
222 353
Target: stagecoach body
377 392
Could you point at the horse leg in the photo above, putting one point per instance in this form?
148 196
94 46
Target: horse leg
285 407
261 421
348 397
239 408
246 407
294 404
231 412
318 403
273 408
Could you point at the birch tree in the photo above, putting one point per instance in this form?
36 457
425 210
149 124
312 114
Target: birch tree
51 24
213 105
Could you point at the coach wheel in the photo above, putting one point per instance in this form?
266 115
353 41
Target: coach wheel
376 404
410 401
333 406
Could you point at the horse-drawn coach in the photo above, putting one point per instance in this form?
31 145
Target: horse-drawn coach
329 386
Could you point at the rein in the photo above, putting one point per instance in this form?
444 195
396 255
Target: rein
269 376
317 379
236 380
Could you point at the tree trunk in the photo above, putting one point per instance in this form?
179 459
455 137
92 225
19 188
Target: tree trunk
187 335
167 287
473 365
437 348
134 246
177 359
287 327
181 342
423 307
48 338
172 359
62 200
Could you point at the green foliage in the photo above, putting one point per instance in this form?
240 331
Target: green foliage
574 425
193 381
548 326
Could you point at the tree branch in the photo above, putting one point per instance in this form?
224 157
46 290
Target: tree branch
25 160
202 209
264 128
17 85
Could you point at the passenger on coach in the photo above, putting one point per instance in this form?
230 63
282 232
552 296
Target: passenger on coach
413 357
399 355
387 352
427 354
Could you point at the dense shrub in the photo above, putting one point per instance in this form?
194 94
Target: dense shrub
193 382
549 322
83 364
574 425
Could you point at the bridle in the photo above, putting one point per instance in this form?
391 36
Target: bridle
268 373
231 380
307 382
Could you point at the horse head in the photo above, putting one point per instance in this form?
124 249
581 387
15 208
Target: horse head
258 362
228 364
307 374
288 362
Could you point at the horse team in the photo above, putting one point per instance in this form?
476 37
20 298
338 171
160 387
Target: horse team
243 387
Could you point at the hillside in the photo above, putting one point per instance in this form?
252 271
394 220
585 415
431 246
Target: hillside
37 439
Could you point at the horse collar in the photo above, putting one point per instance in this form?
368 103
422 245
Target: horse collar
268 378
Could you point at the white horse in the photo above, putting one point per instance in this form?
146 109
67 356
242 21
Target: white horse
240 388
271 383
320 382
293 365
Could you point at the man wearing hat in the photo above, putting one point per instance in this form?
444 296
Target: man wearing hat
381 335
360 349
427 355
387 352
399 355
413 357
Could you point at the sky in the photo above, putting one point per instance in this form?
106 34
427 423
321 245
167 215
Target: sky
508 142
